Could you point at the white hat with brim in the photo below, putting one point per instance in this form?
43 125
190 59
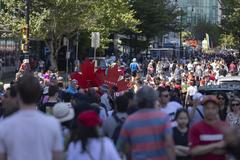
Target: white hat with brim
197 96
63 112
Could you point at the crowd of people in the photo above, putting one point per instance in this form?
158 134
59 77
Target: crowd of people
162 116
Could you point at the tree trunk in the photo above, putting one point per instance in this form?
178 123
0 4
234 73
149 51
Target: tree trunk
53 55
55 46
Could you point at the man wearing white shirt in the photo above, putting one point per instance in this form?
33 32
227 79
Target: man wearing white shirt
29 134
170 108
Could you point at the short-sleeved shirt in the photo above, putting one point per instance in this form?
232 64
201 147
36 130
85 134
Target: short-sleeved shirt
171 110
205 134
30 135
97 149
233 120
198 115
110 124
134 66
145 132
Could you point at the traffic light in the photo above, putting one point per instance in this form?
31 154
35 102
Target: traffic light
25 39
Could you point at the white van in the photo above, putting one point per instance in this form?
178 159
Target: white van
229 80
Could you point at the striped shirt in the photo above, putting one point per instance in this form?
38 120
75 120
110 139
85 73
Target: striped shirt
145 132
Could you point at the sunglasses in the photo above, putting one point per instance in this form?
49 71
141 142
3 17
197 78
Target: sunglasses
235 104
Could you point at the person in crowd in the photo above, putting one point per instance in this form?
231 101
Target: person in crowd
53 94
9 102
105 97
232 139
94 100
223 102
222 71
196 113
191 90
29 134
88 144
132 107
158 67
175 95
134 66
151 68
180 135
147 133
65 114
112 125
233 117
25 66
190 66
73 87
170 108
205 139
233 68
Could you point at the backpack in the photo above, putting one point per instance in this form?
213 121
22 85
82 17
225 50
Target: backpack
105 108
117 130
134 67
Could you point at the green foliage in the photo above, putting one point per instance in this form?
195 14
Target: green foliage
231 18
51 20
203 27
157 16
227 41
63 17
186 35
111 17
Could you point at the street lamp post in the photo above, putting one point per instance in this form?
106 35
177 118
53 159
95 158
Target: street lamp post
76 58
180 33
27 19
77 46
180 38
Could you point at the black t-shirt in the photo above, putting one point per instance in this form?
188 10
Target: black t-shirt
222 72
180 139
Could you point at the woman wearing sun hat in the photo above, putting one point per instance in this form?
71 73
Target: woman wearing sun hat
86 143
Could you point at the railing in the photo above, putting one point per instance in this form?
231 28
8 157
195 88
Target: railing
7 73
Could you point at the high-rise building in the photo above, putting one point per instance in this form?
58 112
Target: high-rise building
197 10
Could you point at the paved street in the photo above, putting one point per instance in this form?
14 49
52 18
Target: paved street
119 80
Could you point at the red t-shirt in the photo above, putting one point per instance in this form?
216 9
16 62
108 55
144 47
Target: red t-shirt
232 67
204 134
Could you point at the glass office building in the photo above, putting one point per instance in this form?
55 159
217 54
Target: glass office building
196 10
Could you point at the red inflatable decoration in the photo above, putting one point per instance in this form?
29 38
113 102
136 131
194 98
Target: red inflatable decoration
88 77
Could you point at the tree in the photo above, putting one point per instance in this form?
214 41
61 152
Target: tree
231 18
228 41
51 20
157 17
186 35
203 27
